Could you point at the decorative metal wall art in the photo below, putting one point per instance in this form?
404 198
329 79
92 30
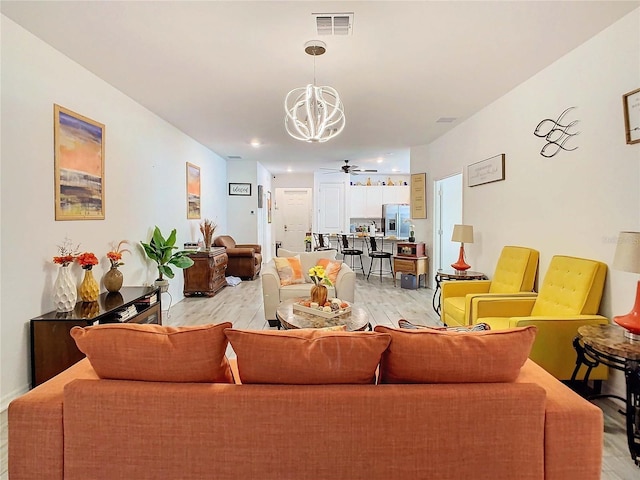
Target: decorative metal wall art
558 134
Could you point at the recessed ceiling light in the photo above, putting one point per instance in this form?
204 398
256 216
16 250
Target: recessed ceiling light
289 169
380 160
255 143
394 169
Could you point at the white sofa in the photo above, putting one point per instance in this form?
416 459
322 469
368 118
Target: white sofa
273 293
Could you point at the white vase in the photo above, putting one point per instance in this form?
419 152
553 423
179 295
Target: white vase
65 292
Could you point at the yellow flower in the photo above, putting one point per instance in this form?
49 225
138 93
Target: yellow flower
318 275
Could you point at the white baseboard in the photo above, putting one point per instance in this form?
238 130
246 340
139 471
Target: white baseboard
6 399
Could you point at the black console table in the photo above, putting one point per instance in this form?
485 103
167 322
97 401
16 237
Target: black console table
52 348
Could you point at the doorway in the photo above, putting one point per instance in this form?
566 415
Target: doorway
294 217
448 212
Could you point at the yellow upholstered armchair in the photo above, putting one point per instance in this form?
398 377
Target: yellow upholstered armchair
515 273
569 297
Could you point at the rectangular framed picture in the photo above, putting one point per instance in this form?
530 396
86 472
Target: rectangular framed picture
418 195
260 195
631 103
193 191
486 171
78 166
268 207
241 189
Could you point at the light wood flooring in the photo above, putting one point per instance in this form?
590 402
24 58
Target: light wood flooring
242 305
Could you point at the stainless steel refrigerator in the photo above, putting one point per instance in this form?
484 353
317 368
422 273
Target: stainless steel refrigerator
396 219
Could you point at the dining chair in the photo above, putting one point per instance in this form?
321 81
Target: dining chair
376 251
347 250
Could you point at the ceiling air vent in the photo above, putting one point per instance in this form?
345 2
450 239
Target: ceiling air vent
234 157
446 120
334 23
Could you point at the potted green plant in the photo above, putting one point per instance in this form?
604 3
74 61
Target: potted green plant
161 251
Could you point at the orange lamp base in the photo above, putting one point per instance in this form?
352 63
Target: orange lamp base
631 321
461 265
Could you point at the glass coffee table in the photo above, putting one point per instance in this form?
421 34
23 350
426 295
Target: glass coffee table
356 320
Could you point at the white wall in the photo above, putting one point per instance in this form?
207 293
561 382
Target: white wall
574 203
145 185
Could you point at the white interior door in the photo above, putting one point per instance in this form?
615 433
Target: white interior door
448 212
331 208
294 211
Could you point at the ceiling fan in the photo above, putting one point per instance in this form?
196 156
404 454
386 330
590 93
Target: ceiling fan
352 169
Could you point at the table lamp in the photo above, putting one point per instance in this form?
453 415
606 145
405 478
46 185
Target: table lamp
462 234
627 258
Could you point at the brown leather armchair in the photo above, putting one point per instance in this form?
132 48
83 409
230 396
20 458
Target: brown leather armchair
244 260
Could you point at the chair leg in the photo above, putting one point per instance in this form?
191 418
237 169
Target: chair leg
361 264
370 267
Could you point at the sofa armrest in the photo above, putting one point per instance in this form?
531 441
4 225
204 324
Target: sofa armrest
240 252
516 305
461 288
346 283
270 290
568 419
36 436
257 248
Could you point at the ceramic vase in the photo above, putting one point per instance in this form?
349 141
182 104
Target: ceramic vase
89 289
319 294
65 293
113 280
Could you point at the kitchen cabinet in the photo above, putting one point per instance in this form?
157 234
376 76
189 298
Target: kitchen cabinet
366 202
396 194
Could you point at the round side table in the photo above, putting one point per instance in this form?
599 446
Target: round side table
607 345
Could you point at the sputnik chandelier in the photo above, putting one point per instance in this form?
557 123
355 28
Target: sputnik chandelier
314 114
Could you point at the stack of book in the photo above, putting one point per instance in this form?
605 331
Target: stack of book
125 314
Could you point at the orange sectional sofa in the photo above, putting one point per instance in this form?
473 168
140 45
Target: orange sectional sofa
78 426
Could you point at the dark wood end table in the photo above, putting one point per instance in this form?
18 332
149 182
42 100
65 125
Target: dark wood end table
607 345
357 319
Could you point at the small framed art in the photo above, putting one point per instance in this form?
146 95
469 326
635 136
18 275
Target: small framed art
631 104
193 191
242 189
486 171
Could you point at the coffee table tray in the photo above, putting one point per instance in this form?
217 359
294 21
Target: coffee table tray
320 313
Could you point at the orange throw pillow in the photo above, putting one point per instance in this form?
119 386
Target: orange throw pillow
307 356
331 268
436 356
289 270
154 353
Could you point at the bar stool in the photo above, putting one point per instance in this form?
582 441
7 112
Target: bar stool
321 243
380 254
347 250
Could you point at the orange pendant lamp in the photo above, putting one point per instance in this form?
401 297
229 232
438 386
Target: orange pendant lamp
462 234
627 258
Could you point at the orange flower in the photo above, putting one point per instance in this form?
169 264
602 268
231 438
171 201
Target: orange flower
66 253
115 255
63 260
87 260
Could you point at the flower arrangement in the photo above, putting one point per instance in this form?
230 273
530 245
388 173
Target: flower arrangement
207 227
115 255
66 253
307 239
318 276
87 260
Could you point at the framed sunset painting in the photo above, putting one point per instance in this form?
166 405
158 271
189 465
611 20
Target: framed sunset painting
193 191
78 166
